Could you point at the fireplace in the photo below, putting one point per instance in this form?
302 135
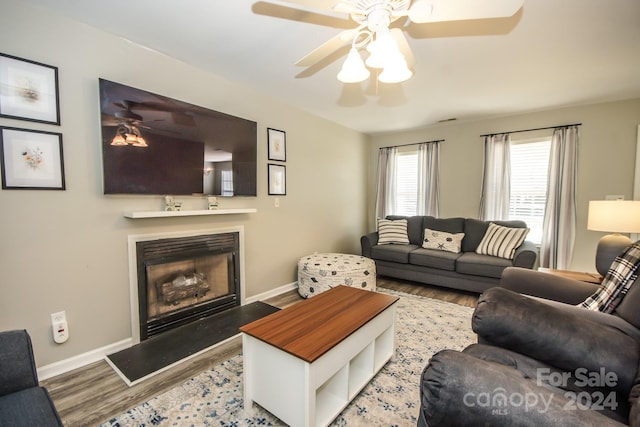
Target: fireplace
180 279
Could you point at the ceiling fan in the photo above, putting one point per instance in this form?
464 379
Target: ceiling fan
388 47
128 124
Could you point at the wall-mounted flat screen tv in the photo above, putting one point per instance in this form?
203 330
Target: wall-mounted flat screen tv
152 144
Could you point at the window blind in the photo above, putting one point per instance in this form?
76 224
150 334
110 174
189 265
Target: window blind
529 170
406 183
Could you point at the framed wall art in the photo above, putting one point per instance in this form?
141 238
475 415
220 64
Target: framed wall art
277 144
31 160
29 90
277 180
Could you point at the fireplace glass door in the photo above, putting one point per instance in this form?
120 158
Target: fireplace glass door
178 285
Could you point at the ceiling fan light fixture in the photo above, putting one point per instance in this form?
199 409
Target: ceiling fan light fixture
353 70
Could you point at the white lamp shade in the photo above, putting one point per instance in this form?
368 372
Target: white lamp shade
353 69
614 216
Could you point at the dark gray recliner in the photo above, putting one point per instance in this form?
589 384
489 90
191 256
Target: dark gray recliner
539 362
22 401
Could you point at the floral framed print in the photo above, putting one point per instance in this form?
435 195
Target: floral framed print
31 160
277 180
277 144
28 90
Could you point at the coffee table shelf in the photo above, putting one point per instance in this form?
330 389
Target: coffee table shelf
313 392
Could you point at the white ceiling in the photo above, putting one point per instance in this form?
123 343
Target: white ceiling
551 53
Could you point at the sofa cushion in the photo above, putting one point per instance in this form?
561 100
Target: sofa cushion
392 231
434 258
482 265
414 227
475 229
628 308
442 241
394 253
450 225
501 241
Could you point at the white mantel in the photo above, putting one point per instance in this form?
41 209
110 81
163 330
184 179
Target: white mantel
165 214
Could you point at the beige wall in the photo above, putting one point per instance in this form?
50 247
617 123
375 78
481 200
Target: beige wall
67 250
606 160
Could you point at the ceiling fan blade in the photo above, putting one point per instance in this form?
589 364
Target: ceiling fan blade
403 45
457 10
342 39
345 7
313 4
301 14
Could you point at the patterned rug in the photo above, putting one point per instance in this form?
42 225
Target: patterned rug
424 326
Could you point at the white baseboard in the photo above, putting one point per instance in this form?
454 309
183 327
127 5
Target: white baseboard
66 365
272 293
75 362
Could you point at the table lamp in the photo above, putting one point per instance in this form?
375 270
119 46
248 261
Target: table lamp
613 216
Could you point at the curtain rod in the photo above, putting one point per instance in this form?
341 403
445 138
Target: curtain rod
412 143
531 130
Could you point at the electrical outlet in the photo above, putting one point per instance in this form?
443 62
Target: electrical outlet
59 327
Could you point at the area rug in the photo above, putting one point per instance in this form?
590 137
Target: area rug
424 326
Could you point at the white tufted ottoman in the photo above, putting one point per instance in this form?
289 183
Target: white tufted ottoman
320 272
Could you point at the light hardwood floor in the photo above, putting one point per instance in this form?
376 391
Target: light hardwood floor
93 394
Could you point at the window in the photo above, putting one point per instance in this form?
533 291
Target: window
406 183
529 170
226 178
408 180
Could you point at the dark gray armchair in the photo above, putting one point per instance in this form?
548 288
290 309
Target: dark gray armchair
539 362
22 401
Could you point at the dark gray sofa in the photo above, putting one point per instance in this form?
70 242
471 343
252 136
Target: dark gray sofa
466 270
539 362
22 401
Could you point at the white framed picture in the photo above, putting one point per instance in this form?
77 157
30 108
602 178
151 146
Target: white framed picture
277 180
277 144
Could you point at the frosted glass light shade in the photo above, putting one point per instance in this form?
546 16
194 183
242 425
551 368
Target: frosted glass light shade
353 70
131 138
118 140
382 50
396 70
140 143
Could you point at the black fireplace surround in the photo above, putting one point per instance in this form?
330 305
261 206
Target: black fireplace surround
184 279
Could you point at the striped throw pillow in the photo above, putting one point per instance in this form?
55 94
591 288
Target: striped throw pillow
392 231
501 241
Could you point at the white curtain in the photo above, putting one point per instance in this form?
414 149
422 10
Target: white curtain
386 191
428 179
496 178
560 214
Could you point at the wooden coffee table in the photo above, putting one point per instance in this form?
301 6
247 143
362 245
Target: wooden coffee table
305 363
